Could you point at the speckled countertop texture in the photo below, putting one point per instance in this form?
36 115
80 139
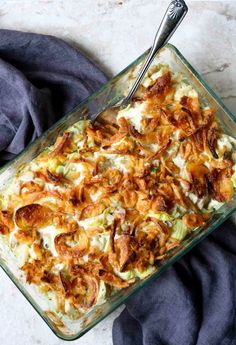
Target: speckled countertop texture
113 33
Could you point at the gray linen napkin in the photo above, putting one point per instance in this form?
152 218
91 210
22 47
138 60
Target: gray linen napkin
41 78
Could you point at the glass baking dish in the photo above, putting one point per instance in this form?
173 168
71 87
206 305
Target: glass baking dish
109 94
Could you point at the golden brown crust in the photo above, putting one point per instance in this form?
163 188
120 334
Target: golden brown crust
79 237
112 279
160 87
111 193
33 216
220 185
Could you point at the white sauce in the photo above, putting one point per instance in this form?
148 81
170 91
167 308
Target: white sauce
179 161
134 115
183 89
48 235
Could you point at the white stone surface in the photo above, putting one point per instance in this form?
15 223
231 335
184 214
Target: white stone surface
113 33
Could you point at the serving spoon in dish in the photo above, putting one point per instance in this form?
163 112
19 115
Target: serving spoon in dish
174 14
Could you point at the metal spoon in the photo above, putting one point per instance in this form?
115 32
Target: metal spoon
175 13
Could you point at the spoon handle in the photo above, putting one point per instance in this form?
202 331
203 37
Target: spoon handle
175 13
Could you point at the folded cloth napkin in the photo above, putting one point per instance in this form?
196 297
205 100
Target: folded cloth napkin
192 303
41 78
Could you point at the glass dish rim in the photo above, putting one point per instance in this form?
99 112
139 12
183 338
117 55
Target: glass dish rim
171 260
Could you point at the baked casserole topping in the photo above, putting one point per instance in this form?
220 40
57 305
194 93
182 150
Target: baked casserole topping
103 205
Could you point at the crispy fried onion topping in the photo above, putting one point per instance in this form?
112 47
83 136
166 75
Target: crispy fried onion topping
72 244
6 222
160 87
101 271
109 194
61 144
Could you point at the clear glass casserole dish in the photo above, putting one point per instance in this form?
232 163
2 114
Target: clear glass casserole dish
109 94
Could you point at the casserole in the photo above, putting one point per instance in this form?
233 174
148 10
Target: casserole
67 328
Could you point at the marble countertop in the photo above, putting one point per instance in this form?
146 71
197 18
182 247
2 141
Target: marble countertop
113 33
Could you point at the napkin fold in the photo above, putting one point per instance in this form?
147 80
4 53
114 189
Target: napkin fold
41 78
194 301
